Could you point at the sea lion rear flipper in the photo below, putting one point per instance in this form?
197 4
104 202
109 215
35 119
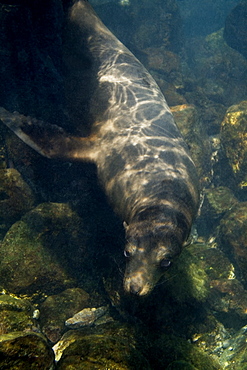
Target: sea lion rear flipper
49 140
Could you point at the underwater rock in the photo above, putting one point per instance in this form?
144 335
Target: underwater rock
89 317
157 23
193 272
229 299
25 351
171 352
233 237
16 315
108 346
233 140
164 61
57 308
217 201
43 250
187 120
16 198
234 356
150 23
235 31
165 67
199 264
183 365
220 74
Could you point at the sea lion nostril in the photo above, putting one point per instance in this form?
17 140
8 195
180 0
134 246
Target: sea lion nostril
135 289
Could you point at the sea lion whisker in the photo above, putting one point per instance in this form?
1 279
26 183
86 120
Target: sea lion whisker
166 279
118 265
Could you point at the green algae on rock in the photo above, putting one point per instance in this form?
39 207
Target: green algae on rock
169 350
39 251
181 365
15 315
57 308
191 269
16 198
233 237
234 141
108 346
234 356
218 201
26 351
187 119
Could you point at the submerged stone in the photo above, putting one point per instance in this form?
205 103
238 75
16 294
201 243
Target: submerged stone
218 201
16 198
233 237
181 365
192 271
39 251
186 117
234 356
89 317
109 346
57 308
26 351
234 141
169 351
16 315
235 32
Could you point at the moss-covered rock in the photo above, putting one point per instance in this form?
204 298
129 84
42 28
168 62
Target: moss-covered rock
191 269
218 201
181 365
187 119
157 23
16 198
25 351
57 308
108 346
217 68
42 250
171 351
235 32
234 356
234 141
15 314
233 237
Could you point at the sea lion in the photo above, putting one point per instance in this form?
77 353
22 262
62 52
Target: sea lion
142 161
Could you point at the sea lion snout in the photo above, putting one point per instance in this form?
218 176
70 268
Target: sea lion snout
141 276
135 285
147 259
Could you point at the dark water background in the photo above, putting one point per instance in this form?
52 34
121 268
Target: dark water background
196 52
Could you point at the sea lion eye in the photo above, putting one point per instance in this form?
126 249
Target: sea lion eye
127 254
165 263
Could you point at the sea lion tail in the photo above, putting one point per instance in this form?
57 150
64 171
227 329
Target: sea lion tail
49 140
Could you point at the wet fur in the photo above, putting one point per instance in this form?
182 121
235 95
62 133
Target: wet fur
142 160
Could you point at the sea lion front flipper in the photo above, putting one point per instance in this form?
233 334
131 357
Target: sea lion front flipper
49 140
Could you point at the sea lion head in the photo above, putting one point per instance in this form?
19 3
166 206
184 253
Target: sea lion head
149 251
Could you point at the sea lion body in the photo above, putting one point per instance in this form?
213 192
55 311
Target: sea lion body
142 160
